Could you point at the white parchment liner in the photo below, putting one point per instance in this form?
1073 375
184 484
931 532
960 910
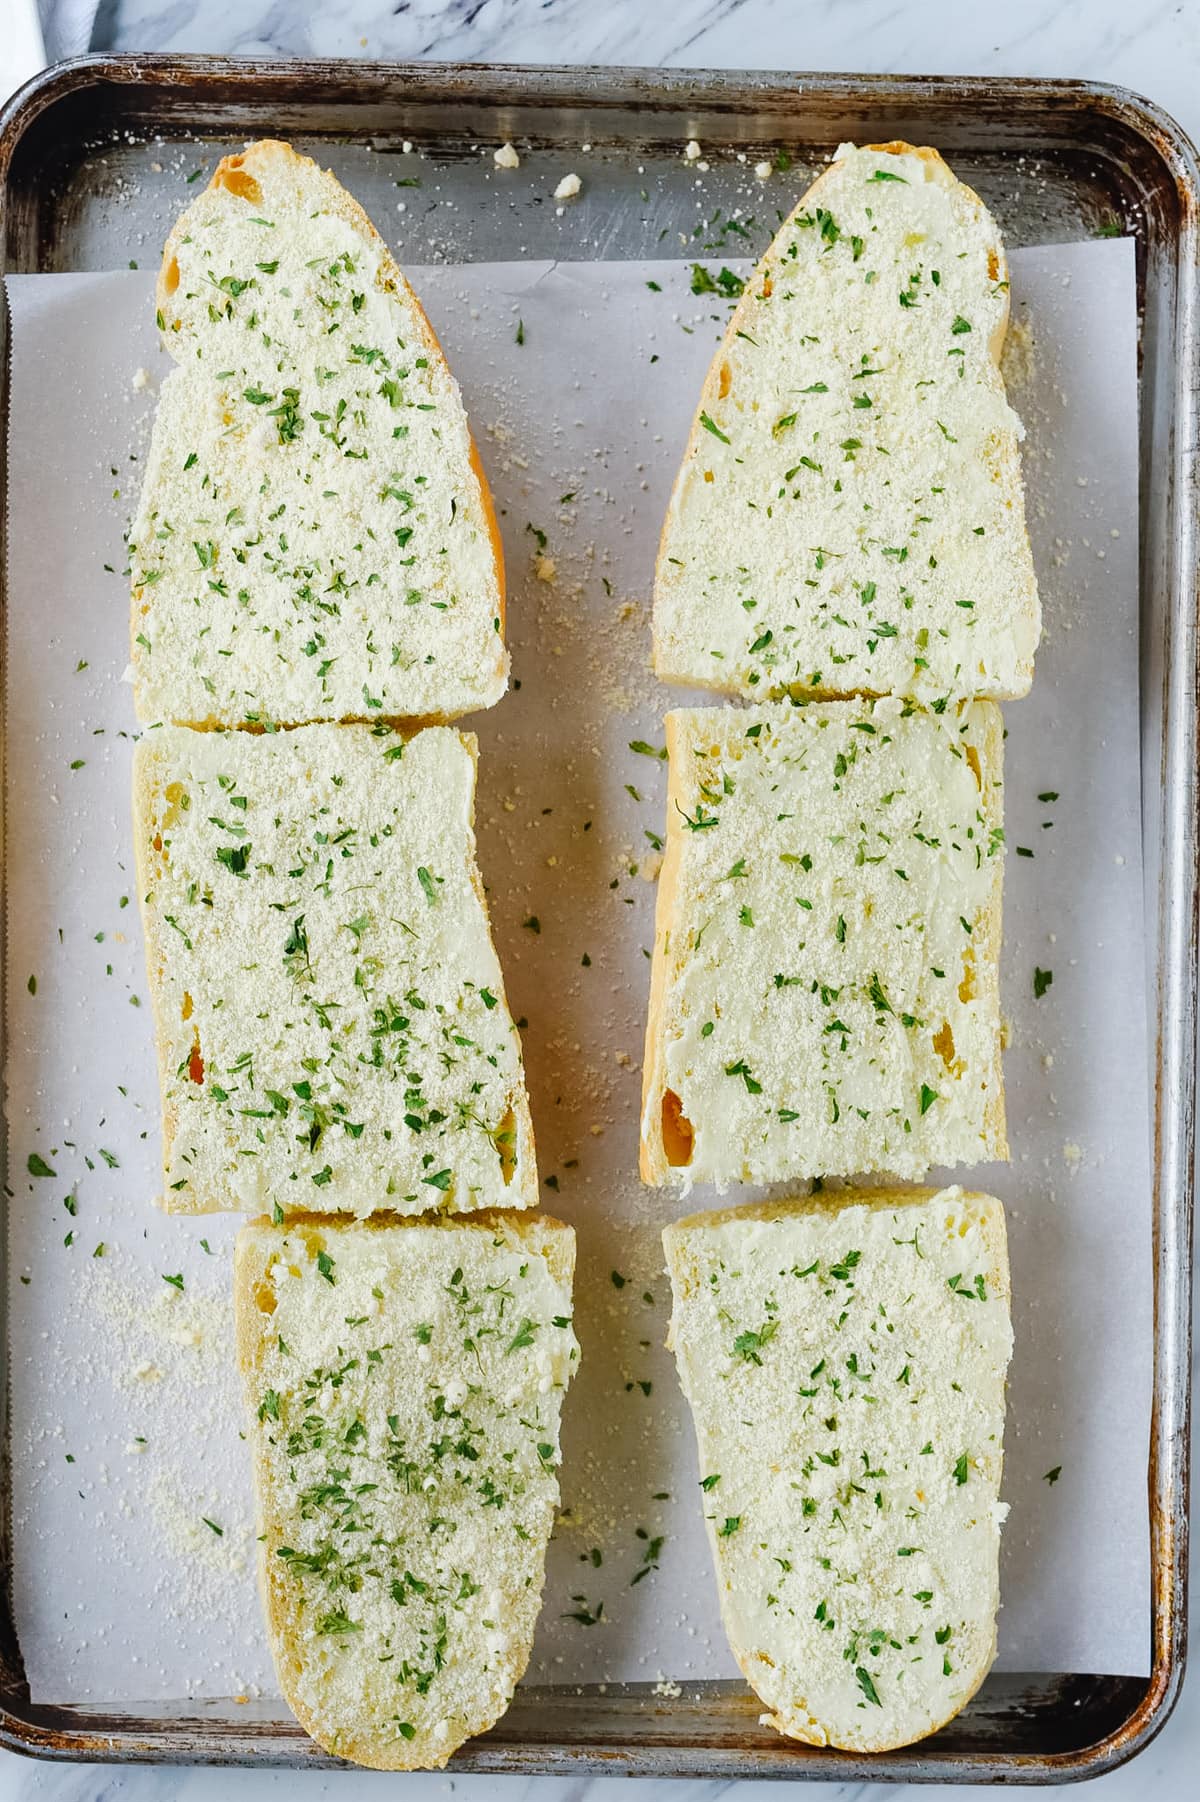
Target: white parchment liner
125 1409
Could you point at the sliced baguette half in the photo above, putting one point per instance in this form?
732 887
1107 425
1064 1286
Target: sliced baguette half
824 990
845 1361
332 1028
315 538
849 516
403 1385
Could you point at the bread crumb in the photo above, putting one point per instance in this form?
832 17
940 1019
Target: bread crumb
691 151
763 171
141 379
545 569
1072 1155
506 157
568 188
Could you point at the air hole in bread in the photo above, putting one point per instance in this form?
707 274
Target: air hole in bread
506 1145
264 1298
185 1012
176 798
943 1044
723 381
972 757
993 266
966 988
171 276
231 175
708 475
677 1133
314 1244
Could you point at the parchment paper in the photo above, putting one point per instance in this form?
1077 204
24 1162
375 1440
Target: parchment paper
125 1412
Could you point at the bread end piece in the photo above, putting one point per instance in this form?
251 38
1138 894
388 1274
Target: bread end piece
677 630
333 1672
242 176
270 172
666 1140
812 1655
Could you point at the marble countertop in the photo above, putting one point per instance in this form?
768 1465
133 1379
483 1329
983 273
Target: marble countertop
1154 48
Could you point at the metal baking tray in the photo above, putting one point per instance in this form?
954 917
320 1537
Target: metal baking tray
1055 161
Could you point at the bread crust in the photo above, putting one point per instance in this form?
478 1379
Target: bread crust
143 791
798 1724
544 1234
652 1157
527 1187
232 175
938 171
988 937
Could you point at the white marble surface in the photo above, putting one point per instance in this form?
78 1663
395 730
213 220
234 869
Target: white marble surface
1153 47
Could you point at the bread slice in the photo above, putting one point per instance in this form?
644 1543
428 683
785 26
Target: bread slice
315 538
824 993
331 1022
845 1369
403 1385
849 517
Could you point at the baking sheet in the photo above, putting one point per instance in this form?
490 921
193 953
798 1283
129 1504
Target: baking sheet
125 1415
